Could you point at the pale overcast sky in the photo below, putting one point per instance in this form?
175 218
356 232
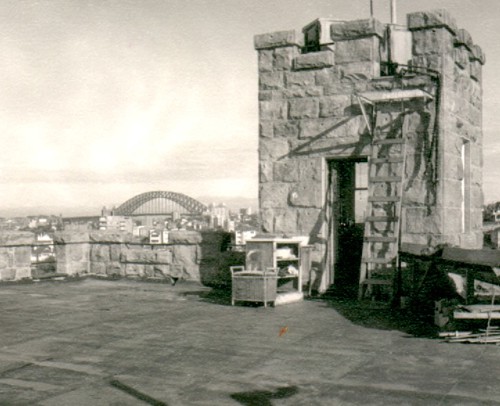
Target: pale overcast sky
105 99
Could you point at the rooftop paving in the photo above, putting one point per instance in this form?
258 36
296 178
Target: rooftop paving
95 342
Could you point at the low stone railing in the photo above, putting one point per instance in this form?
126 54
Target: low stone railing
189 255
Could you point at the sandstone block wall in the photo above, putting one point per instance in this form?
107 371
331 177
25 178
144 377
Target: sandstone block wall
15 255
108 254
308 115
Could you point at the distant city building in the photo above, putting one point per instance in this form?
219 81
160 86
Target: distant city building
158 236
246 211
243 233
218 215
116 223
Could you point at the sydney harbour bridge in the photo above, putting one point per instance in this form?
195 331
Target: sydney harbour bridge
160 203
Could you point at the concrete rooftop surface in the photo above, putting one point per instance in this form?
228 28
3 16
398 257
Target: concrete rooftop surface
93 342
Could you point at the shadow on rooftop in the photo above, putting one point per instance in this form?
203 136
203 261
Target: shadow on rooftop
382 316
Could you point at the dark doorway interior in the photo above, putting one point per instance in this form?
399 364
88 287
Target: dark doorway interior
349 189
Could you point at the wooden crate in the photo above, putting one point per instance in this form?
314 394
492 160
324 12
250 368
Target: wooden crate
253 286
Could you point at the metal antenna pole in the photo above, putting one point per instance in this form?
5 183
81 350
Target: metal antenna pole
393 12
371 8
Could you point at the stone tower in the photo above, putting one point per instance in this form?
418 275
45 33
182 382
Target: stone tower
324 93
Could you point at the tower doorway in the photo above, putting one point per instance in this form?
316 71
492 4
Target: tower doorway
348 189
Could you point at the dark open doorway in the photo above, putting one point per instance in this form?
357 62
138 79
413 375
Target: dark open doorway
349 192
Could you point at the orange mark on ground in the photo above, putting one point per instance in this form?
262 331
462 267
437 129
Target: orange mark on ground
283 330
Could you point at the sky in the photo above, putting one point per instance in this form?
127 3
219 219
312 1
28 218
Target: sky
104 99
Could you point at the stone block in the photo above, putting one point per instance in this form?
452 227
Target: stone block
22 256
286 129
334 105
452 197
265 58
432 42
134 270
267 218
114 268
452 221
284 57
475 69
328 77
16 238
186 259
271 80
138 255
5 260
350 129
7 274
109 236
286 171
463 38
461 56
23 272
310 220
478 54
100 252
272 110
277 39
314 60
367 70
273 149
294 92
453 168
77 252
285 221
425 20
115 251
273 195
300 79
306 194
358 50
98 268
311 170
184 237
356 29
164 256
162 270
265 172
266 129
418 221
303 108
344 86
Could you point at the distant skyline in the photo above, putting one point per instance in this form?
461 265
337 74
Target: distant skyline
103 100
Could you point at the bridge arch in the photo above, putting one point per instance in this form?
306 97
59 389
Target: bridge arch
130 206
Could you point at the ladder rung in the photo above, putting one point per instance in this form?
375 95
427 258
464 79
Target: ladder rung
381 239
384 198
377 282
386 141
378 260
388 160
381 218
385 179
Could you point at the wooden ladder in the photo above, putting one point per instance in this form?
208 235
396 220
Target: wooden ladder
382 235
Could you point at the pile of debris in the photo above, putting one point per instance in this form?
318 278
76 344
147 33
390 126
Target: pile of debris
489 335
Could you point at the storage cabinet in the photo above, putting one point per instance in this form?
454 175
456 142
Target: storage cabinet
289 257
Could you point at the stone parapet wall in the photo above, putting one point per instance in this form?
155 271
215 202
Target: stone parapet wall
191 256
15 255
121 255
